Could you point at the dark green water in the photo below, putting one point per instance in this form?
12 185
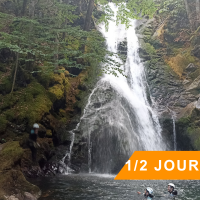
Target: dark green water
88 186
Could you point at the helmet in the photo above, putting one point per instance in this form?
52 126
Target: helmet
35 125
172 185
150 190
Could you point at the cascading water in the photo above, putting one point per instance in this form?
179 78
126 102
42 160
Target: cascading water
118 119
174 128
66 168
174 132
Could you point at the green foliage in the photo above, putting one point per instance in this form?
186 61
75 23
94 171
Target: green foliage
171 7
44 43
150 49
132 9
26 105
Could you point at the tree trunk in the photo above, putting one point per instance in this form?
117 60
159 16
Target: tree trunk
89 15
198 13
32 8
79 6
189 14
14 78
57 49
24 7
32 5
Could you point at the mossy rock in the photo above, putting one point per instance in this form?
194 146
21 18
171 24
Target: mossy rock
26 105
14 182
10 155
57 90
194 134
188 131
5 85
3 122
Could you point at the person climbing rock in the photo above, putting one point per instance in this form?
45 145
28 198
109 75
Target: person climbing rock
148 193
32 141
171 190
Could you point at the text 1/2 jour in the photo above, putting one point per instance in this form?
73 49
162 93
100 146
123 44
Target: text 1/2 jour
168 165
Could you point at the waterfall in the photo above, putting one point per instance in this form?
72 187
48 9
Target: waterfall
63 168
67 169
118 119
174 132
174 128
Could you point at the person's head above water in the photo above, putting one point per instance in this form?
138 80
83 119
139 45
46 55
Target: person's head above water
171 187
35 127
149 192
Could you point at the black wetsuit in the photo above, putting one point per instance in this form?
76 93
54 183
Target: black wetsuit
32 144
148 197
173 194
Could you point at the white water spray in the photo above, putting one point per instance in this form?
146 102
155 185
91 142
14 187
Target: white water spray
118 119
133 88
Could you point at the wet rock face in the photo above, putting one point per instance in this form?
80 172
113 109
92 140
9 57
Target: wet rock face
196 51
167 89
174 81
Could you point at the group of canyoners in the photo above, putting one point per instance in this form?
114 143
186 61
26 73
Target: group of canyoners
172 193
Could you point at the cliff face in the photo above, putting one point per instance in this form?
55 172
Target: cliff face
170 52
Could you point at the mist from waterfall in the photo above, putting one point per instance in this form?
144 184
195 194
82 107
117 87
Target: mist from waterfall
118 119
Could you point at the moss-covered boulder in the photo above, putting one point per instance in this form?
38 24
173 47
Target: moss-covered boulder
188 129
10 155
12 181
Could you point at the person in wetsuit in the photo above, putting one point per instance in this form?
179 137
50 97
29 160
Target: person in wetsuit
148 193
32 141
171 190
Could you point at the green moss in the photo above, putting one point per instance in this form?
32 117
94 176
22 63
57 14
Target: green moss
14 182
194 133
184 122
3 123
57 90
27 104
150 49
61 85
10 155
188 131
45 78
5 84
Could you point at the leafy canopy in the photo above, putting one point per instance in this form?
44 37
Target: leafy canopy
127 10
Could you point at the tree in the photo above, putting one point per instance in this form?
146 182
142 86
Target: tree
89 15
130 10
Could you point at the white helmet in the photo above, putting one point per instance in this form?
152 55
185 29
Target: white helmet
35 125
172 185
150 190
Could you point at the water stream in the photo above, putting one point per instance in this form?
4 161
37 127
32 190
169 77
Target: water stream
174 132
96 186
